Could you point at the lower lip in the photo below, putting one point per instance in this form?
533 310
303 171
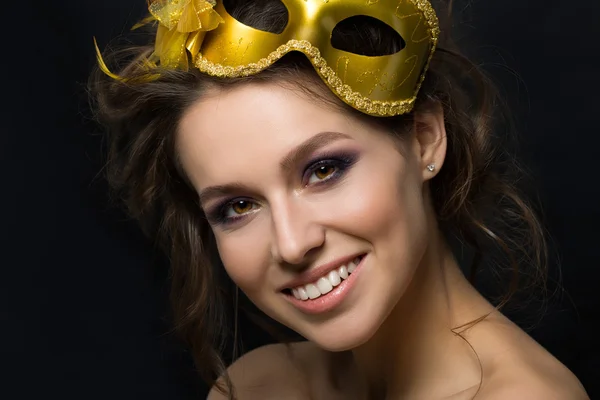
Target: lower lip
331 300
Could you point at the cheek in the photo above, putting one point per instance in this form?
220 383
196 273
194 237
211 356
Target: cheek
245 258
387 211
382 204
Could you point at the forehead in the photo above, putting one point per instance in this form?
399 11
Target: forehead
233 130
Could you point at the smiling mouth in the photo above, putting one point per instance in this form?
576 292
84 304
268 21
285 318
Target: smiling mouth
326 283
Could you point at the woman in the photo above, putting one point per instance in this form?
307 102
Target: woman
323 153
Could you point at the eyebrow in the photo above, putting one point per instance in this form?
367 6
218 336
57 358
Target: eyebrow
300 152
309 146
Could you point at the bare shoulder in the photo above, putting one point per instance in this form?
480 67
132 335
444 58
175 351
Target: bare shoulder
274 371
517 367
523 369
533 386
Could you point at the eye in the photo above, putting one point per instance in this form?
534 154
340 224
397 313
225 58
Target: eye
322 172
325 171
231 211
329 169
239 208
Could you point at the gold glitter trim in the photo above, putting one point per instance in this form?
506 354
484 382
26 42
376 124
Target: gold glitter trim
432 20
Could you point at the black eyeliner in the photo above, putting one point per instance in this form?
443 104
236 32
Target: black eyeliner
218 212
341 160
349 157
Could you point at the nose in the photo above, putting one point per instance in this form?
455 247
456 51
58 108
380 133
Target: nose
296 233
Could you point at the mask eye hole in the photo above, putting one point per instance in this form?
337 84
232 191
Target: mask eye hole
366 36
268 16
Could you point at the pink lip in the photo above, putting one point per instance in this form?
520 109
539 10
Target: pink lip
314 274
330 300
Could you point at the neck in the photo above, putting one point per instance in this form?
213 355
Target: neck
416 353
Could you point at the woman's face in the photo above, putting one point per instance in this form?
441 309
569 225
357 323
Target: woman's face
297 193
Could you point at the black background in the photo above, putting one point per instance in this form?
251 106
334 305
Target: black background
82 301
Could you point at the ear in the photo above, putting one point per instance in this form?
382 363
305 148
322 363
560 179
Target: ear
431 140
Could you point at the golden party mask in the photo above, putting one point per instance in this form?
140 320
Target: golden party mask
377 85
221 46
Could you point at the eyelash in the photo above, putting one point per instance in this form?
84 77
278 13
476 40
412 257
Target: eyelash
341 163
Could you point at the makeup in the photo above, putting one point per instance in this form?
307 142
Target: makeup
329 301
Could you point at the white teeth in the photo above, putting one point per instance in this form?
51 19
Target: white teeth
296 294
312 291
334 278
324 285
352 265
302 293
343 271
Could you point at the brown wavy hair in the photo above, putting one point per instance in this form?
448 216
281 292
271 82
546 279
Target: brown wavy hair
474 195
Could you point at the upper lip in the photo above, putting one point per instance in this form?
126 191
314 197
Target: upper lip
312 275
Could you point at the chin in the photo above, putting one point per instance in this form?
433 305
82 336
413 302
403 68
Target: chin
362 314
343 342
347 338
347 332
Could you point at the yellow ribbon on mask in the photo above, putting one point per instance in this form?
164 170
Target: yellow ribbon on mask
182 27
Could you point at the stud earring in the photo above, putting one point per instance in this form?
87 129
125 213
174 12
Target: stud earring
431 167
